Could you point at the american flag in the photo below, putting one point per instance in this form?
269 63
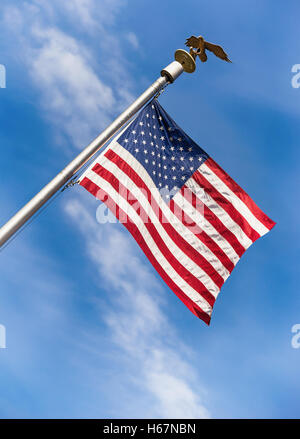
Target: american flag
192 221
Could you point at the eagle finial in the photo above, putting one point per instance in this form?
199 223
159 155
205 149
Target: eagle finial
201 45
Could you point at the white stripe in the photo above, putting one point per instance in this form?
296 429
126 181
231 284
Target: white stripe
181 229
207 227
233 199
223 216
182 258
163 262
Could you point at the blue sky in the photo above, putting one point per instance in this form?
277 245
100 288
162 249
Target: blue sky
92 331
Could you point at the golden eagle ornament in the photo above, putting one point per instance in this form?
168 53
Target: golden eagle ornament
201 46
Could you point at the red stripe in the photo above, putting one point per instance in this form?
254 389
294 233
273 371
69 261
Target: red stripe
227 206
183 272
202 235
213 220
103 196
239 192
190 251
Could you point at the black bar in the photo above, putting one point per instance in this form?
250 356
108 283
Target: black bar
145 428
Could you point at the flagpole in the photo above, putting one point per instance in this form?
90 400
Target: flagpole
184 62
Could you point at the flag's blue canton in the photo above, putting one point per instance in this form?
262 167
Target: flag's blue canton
168 154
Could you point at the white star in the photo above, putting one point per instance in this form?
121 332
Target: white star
164 157
142 133
141 123
169 129
190 149
181 149
146 160
191 168
163 147
126 140
182 168
191 159
173 168
199 158
174 177
182 158
172 148
136 150
145 151
144 142
165 167
162 138
153 117
173 158
147 115
135 141
161 127
160 118
133 132
179 139
165 177
153 153
153 163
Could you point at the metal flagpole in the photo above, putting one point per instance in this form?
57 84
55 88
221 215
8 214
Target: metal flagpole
184 62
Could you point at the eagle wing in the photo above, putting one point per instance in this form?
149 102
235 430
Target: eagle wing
192 42
217 50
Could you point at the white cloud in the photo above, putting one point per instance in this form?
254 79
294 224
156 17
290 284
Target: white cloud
137 322
82 11
133 40
92 14
79 89
78 101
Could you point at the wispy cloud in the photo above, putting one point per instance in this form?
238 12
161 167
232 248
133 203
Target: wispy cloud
137 321
133 40
78 101
78 94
